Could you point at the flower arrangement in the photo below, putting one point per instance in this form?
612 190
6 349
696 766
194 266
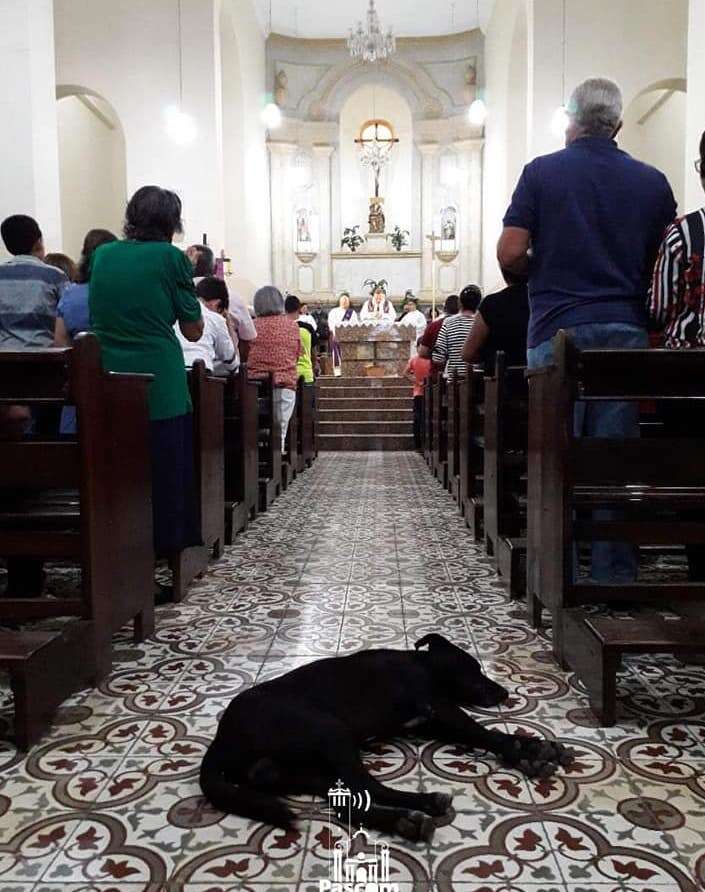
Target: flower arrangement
399 238
374 285
352 238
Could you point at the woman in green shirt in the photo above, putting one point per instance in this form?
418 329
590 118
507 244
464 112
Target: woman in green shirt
139 288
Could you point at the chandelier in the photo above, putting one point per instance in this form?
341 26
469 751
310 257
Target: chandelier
373 44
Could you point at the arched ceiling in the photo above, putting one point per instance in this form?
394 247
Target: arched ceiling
323 19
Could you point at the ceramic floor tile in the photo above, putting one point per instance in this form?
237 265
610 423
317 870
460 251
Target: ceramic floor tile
110 799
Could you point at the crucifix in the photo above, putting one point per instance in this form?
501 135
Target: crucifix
376 149
376 141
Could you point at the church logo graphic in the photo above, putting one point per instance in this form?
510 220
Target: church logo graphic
364 870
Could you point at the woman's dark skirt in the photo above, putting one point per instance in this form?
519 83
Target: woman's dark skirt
177 523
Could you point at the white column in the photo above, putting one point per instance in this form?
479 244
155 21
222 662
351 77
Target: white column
695 103
470 259
282 214
428 210
322 173
544 75
29 154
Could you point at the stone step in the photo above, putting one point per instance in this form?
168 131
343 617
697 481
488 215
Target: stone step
365 443
364 403
354 392
403 428
366 415
326 381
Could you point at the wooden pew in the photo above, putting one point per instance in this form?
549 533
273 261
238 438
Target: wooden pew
428 422
649 481
453 426
241 455
471 446
86 500
269 443
439 461
207 396
505 472
305 402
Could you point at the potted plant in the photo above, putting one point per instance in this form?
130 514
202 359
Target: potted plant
399 238
352 238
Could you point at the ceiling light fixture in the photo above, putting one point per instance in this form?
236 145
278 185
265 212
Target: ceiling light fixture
477 113
560 119
373 44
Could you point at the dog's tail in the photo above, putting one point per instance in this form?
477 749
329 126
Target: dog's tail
240 799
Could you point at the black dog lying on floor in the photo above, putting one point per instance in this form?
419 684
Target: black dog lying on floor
301 732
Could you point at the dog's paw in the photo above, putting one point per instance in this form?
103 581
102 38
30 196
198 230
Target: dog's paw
536 757
416 827
438 804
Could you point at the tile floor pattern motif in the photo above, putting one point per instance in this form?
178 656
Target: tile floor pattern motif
365 551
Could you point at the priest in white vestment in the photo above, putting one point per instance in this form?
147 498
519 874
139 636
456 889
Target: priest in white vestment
343 314
412 315
378 308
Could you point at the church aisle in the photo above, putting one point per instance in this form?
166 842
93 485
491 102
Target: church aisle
366 550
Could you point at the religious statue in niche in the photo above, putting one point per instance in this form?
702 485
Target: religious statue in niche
281 87
376 141
449 223
470 83
303 229
377 219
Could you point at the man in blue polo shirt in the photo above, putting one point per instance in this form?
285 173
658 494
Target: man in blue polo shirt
585 223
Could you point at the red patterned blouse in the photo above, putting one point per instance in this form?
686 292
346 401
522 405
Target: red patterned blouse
275 349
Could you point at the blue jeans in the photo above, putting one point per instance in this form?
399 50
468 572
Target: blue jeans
612 562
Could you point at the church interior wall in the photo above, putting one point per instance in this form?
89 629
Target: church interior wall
108 47
636 42
92 169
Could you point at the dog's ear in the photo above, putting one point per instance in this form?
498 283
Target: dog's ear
437 642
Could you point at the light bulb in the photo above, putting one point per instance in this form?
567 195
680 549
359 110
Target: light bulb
477 113
560 121
180 126
271 116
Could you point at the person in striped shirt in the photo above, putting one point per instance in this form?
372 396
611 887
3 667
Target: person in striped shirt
448 351
677 307
677 296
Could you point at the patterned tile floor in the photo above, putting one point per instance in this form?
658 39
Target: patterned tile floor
366 550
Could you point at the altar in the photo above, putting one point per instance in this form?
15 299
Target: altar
380 351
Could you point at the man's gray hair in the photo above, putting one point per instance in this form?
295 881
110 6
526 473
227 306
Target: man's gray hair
596 106
268 301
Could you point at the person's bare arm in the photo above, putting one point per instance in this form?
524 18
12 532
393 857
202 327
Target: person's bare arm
474 341
192 331
513 250
61 336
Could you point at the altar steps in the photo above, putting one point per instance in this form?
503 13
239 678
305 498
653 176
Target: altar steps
365 414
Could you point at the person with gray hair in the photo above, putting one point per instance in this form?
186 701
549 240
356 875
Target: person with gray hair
585 224
276 349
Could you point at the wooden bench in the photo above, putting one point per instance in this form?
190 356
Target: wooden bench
596 645
268 443
471 447
241 455
453 436
85 500
207 397
428 422
647 482
439 459
505 472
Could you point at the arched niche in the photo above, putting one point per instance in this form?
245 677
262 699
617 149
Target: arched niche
654 130
92 165
367 103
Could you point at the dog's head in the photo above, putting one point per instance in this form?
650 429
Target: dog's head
459 674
